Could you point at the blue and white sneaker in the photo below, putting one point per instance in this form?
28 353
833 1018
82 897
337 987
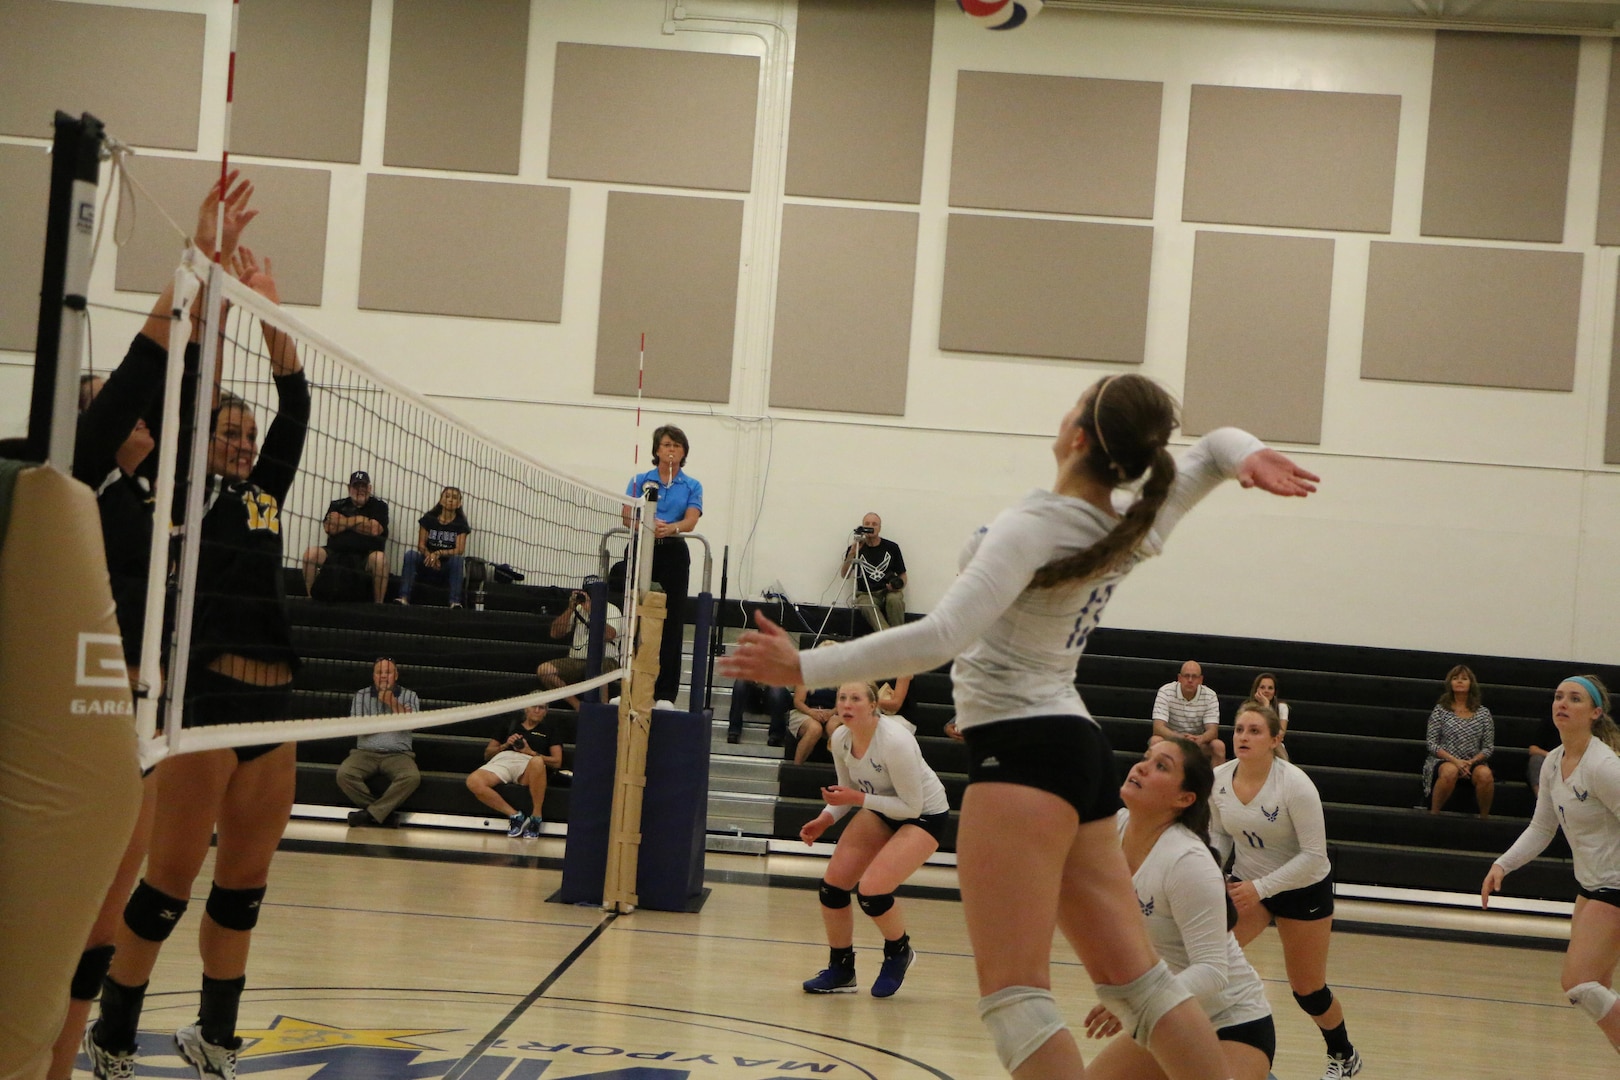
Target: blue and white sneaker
832 980
893 972
1339 1068
108 1064
514 824
531 828
209 1059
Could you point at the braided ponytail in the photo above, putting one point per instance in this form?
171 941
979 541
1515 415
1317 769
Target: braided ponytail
1129 422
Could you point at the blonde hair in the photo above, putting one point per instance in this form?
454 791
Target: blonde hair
1264 712
1603 725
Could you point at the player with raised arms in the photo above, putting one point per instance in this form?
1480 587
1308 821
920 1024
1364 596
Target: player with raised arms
1580 792
1036 847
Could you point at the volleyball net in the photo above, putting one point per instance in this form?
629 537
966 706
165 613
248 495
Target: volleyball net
464 511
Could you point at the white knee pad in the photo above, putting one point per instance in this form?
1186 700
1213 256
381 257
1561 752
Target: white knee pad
1020 1019
1593 999
1141 1004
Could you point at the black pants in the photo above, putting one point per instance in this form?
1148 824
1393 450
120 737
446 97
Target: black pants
672 570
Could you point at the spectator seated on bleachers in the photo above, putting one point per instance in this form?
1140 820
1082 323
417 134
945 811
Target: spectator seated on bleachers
440 554
1264 691
813 717
352 564
749 697
1191 710
526 756
892 698
1547 740
1461 739
386 753
575 624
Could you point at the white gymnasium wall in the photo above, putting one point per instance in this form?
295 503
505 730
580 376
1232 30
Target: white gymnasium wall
1450 518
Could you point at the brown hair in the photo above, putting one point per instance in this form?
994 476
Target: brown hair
1473 688
1603 725
1127 420
1264 712
676 435
1198 777
1275 696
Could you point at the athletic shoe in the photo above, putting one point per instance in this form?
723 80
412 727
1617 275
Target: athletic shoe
204 1056
664 703
531 828
1339 1068
514 824
832 980
107 1064
893 973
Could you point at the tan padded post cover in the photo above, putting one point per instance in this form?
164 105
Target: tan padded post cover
70 782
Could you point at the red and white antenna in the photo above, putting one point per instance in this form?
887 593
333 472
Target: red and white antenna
641 367
225 137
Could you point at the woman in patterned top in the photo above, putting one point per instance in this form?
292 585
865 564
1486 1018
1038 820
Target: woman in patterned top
1462 738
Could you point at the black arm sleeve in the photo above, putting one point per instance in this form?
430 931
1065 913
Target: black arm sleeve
127 396
284 443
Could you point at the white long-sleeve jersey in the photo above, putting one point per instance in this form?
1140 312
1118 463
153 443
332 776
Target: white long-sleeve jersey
1587 807
1279 836
1183 900
897 781
1016 647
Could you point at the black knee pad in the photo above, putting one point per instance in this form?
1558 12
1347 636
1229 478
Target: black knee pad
235 909
152 914
1316 1002
93 965
876 905
832 896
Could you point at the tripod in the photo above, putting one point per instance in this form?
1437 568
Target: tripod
863 584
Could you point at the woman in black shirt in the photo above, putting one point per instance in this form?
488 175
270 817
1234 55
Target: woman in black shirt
441 548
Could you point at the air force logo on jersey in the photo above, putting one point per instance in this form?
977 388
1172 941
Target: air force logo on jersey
1580 796
1146 906
1271 815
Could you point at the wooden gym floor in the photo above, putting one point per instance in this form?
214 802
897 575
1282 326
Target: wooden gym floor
392 959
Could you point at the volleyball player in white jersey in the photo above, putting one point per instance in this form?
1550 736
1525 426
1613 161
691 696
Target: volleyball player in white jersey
1164 831
1267 814
900 814
1580 792
1036 847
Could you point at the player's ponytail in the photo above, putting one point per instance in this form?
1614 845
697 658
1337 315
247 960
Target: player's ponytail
1128 420
1603 725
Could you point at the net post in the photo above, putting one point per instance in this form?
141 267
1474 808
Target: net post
630 766
65 279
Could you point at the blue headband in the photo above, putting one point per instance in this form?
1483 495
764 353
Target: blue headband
1590 687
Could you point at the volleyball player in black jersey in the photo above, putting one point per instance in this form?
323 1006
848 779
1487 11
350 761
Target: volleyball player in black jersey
241 669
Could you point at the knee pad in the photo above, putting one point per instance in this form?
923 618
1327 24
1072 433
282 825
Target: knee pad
1020 1019
875 905
1316 1002
1142 1003
93 966
832 896
152 914
1593 999
235 909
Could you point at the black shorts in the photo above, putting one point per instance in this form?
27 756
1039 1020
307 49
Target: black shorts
343 577
932 824
1260 1034
1602 896
1306 904
1068 756
212 698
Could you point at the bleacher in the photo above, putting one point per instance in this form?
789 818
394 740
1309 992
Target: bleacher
1357 726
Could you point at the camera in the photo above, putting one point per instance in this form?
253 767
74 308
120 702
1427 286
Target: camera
863 530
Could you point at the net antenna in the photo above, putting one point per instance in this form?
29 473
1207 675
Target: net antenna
522 513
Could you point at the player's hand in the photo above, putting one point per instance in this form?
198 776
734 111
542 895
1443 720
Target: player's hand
1100 1023
1493 883
838 795
260 277
953 732
235 196
1244 895
766 655
815 827
1273 471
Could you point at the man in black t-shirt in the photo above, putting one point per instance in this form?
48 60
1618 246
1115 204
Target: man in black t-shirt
353 558
530 750
880 574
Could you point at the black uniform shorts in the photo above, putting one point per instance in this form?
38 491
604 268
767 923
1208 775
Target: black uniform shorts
212 698
1068 756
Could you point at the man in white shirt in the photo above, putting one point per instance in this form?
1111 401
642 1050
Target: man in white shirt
1191 710
575 620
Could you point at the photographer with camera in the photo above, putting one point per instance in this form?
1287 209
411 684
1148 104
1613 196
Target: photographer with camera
575 620
880 579
527 755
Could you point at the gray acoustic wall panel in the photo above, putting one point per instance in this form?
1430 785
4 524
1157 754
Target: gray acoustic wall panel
455 85
669 270
1054 144
1501 113
843 309
291 228
139 71
301 79
25 193
860 99
1291 158
1257 335
653 116
464 247
1075 290
1611 442
1472 316
1608 215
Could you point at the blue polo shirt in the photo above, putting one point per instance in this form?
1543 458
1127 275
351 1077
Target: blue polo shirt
673 498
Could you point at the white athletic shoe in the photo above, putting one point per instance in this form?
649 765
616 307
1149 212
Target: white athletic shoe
107 1064
1339 1068
664 704
208 1059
